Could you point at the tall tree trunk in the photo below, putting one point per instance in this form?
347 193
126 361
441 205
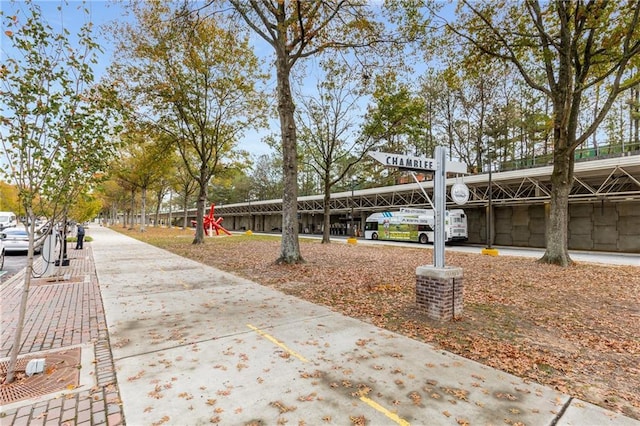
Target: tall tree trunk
169 224
326 238
557 222
290 246
143 209
566 107
202 198
114 215
564 131
634 137
156 221
186 214
132 209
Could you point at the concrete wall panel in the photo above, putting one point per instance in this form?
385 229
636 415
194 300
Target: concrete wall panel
629 225
605 227
629 244
597 226
629 209
520 216
604 235
580 226
537 223
605 214
581 210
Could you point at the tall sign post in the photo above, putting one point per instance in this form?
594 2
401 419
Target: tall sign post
439 166
440 198
438 288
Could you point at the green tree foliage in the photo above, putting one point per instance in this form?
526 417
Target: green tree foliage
260 179
9 198
86 207
297 30
329 143
56 124
396 120
193 79
143 162
266 177
564 50
113 198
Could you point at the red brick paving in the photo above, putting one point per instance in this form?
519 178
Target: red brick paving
59 315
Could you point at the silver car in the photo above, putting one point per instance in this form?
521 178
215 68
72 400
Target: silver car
16 240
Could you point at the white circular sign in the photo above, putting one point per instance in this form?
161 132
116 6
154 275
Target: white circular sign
460 193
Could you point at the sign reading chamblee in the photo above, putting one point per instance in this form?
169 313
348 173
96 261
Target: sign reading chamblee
440 167
435 282
421 164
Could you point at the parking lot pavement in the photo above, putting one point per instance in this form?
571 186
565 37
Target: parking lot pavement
14 263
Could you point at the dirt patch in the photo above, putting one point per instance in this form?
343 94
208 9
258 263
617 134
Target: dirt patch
575 328
58 280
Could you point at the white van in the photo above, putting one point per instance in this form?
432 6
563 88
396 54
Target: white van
8 220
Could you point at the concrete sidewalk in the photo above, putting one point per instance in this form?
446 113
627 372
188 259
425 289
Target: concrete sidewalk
171 341
194 345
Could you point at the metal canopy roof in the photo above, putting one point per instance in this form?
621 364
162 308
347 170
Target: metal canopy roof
612 179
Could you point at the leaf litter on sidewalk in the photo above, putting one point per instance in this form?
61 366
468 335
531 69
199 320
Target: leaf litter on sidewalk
575 329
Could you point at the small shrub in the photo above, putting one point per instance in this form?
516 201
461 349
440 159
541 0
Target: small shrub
87 239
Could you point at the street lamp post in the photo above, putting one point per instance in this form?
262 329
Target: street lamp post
489 250
353 184
489 210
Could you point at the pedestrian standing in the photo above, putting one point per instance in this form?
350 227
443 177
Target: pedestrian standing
80 237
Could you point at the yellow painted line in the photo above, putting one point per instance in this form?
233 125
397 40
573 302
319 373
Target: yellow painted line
277 343
371 403
393 416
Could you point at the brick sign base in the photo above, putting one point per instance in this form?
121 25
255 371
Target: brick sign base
439 292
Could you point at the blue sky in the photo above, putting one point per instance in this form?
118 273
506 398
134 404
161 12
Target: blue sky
71 16
101 13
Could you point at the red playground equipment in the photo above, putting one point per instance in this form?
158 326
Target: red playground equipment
210 223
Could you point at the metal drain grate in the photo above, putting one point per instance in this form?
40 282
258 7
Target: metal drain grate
61 372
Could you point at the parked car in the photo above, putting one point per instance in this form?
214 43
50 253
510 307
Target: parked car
16 240
8 220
